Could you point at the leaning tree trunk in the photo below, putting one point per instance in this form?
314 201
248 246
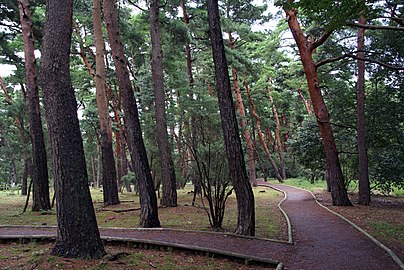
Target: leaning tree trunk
164 145
238 172
148 200
282 169
39 172
338 191
109 181
77 234
261 135
246 133
364 186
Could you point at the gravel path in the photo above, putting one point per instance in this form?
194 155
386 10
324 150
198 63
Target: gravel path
322 240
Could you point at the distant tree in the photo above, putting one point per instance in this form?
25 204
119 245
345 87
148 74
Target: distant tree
164 145
237 169
78 235
39 168
364 185
109 181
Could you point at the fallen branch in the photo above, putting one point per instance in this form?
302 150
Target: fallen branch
118 210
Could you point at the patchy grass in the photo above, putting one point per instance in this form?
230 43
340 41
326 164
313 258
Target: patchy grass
269 221
36 256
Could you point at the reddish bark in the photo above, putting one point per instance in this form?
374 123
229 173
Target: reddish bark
261 136
246 133
39 169
306 47
109 181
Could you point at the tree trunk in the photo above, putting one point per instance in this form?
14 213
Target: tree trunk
277 136
148 201
109 182
78 235
163 143
364 186
39 173
26 173
261 135
338 191
238 173
246 133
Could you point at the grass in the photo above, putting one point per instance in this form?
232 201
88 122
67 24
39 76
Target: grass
269 221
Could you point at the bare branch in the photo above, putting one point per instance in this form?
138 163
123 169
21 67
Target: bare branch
351 55
375 27
320 41
136 5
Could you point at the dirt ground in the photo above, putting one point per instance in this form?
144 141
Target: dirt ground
36 256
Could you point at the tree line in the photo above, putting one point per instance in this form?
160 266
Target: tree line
185 85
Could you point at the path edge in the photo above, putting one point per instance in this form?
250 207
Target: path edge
391 253
285 196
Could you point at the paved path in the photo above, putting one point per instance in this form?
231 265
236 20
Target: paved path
325 241
322 240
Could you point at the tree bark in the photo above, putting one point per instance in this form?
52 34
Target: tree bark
166 160
237 169
364 186
109 181
246 132
26 173
261 136
277 135
39 172
77 234
148 201
338 190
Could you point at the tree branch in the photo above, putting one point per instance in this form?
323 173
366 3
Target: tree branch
375 27
351 55
136 5
320 41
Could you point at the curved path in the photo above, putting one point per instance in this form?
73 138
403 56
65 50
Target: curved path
325 241
321 240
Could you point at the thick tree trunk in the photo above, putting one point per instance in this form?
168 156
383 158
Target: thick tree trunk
109 182
163 143
261 135
364 186
238 173
148 201
338 191
277 135
78 235
246 132
39 173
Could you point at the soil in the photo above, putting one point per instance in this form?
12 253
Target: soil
36 256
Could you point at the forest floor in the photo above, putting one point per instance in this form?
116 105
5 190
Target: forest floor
322 241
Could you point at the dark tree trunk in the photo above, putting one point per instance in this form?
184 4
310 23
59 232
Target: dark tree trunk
39 173
164 146
26 173
338 191
78 235
148 201
109 181
238 172
364 186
